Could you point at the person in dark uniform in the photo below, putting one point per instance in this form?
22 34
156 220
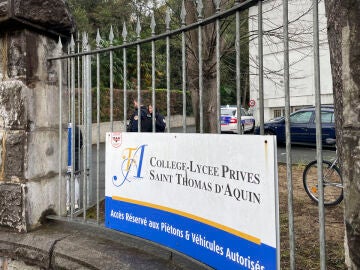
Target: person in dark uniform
146 123
160 122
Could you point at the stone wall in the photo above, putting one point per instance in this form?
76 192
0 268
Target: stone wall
29 110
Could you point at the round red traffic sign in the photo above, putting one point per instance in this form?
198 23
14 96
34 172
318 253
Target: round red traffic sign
252 103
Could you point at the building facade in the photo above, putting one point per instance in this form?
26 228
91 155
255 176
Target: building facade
301 57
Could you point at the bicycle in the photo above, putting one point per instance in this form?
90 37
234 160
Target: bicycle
332 180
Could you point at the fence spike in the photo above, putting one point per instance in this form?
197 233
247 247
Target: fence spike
111 35
183 13
59 47
138 28
200 7
98 39
124 32
168 19
217 5
153 24
84 42
72 44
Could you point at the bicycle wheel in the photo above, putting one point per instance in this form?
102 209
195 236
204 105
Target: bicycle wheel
332 183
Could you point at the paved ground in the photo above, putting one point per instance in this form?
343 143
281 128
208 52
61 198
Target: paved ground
64 245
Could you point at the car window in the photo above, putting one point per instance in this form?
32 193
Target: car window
243 112
327 117
301 117
231 112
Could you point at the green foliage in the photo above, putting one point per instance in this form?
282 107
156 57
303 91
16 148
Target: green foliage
94 14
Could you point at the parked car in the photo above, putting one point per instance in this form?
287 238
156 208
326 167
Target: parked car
229 120
302 126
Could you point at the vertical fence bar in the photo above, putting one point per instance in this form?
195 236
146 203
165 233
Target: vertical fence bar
79 98
111 38
72 73
98 39
183 60
138 53
261 67
319 136
238 74
168 70
153 24
124 35
201 83
89 127
288 135
68 83
59 48
84 90
218 79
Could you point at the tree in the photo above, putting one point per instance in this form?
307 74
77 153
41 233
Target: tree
344 42
210 108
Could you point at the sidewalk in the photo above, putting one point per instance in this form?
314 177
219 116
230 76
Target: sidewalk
65 245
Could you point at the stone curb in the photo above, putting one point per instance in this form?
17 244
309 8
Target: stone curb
65 245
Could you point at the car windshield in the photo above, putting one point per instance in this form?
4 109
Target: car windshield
228 111
232 111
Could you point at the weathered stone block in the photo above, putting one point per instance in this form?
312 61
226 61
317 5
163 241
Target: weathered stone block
52 14
14 155
3 8
16 62
42 146
12 105
11 206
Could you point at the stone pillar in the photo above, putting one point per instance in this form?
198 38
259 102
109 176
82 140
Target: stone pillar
29 108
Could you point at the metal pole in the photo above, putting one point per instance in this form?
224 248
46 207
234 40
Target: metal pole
98 39
60 124
153 24
111 36
238 74
288 135
68 84
89 128
72 73
168 71
183 59
138 52
84 90
184 78
201 83
319 136
218 79
79 94
124 34
261 67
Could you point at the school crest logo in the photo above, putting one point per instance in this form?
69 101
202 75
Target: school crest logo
116 139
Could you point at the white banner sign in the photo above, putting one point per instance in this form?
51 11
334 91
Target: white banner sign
210 196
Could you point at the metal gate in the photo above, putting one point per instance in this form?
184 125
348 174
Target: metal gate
79 69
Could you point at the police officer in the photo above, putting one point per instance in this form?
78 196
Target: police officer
146 122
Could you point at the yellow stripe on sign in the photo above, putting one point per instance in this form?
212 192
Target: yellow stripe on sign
200 219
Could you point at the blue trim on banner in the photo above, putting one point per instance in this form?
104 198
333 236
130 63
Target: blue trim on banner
210 245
